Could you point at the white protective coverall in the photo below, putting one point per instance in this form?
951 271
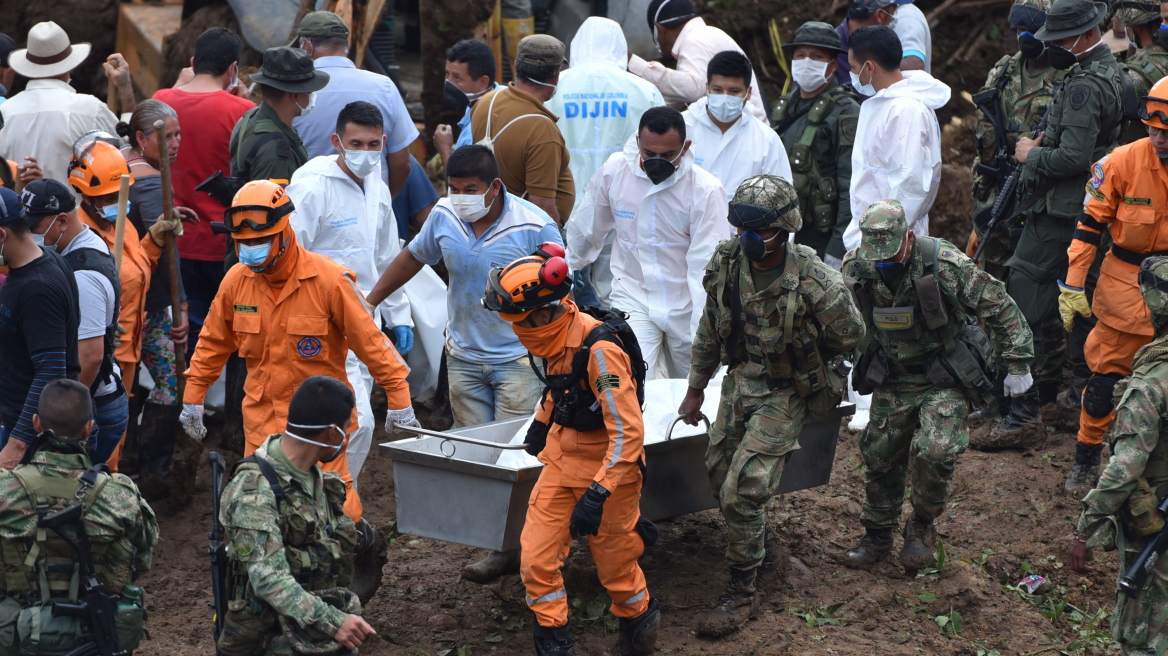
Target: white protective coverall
897 153
747 149
665 236
355 229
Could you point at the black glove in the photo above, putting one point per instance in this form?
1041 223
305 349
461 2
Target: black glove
536 437
586 515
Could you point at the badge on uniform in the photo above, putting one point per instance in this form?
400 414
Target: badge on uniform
250 309
1078 98
607 381
1097 176
309 347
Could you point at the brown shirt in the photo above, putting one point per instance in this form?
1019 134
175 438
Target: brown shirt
532 155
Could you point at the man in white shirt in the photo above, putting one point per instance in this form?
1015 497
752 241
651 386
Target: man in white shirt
344 212
727 141
669 215
46 118
897 153
680 33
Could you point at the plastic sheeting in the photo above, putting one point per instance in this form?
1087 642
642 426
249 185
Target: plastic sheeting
427 294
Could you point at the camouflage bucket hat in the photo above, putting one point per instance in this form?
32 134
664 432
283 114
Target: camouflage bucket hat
765 201
882 227
313 642
1137 13
1154 287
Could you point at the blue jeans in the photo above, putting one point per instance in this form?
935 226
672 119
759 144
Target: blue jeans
201 283
110 419
482 393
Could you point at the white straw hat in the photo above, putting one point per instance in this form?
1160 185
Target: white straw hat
48 54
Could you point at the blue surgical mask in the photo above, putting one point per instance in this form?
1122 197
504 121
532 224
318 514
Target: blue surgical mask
110 212
254 256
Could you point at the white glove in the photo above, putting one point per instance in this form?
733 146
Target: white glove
833 261
192 421
1017 385
405 417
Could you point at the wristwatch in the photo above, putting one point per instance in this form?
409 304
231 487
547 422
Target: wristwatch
595 487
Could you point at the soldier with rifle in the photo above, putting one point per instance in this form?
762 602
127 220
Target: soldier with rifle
1122 511
72 538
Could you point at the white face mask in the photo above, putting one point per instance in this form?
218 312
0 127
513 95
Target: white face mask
545 84
724 107
361 162
305 111
861 88
809 74
470 207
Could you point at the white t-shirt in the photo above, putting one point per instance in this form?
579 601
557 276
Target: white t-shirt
916 40
95 296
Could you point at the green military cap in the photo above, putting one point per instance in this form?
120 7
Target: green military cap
290 69
882 227
765 201
1068 18
323 24
541 50
818 35
1153 279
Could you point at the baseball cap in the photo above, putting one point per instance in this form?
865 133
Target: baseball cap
882 230
7 45
10 207
541 50
323 24
46 197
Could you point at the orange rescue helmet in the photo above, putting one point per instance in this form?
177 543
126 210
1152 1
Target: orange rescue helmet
530 282
97 168
1154 106
260 209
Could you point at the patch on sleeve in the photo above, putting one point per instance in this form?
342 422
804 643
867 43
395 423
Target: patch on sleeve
249 309
1097 195
1097 176
847 129
607 381
1132 200
1078 97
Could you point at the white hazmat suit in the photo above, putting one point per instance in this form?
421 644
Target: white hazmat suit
747 149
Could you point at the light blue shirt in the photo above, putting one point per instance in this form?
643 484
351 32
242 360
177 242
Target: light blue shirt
465 134
473 333
347 84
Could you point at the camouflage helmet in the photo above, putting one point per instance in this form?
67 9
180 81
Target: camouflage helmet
765 201
1029 15
1137 12
883 228
1154 287
312 641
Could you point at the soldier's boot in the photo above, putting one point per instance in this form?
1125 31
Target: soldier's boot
1047 392
496 564
1085 472
986 413
369 565
556 641
638 635
873 547
737 605
1072 397
156 436
1023 410
920 539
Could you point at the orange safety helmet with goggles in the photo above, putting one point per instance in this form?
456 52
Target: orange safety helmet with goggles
260 209
1154 108
528 283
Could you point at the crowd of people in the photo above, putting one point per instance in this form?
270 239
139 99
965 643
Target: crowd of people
608 221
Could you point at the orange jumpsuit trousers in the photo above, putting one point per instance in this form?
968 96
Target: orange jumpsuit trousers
306 327
1128 195
609 456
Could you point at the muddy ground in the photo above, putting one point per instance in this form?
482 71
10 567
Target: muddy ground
1008 517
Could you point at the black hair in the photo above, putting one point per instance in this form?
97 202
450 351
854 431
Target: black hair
271 94
729 63
215 51
675 13
660 120
477 56
65 407
321 401
328 42
473 162
18 227
877 43
361 113
531 72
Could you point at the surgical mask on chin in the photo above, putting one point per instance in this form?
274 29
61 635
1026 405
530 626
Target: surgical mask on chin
454 98
109 213
809 74
337 448
361 162
254 255
659 169
305 111
755 248
860 87
470 207
724 107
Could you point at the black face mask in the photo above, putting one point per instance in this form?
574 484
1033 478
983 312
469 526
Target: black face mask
454 98
755 248
1030 47
892 273
658 169
1061 58
1162 37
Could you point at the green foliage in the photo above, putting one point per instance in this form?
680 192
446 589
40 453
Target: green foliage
950 623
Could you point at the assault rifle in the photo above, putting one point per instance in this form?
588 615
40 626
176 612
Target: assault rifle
1136 578
1004 205
989 102
218 549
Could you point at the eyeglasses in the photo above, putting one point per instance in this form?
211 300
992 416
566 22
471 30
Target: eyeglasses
1157 132
753 217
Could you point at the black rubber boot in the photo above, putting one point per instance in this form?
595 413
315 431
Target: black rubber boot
1047 392
369 565
496 564
1072 397
737 605
985 413
554 641
1085 472
1023 410
638 635
156 448
919 541
873 547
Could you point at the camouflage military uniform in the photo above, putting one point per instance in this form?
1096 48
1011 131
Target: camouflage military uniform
283 554
776 368
916 421
1120 511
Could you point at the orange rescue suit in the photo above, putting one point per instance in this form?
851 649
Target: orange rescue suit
610 456
304 328
1127 195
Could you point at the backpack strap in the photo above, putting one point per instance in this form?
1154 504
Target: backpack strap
928 288
735 291
270 474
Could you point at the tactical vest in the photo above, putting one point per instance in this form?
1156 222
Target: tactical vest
1143 69
1140 510
780 342
818 194
91 259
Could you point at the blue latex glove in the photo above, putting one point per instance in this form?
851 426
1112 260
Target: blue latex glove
403 339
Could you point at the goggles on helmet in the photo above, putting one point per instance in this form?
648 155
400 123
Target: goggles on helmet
1145 115
231 224
754 217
